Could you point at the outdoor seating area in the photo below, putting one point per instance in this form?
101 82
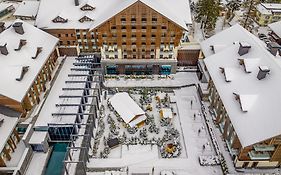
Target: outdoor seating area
124 124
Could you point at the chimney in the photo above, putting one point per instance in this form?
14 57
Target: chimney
273 48
22 43
18 28
24 69
244 48
2 27
76 2
4 50
39 50
263 71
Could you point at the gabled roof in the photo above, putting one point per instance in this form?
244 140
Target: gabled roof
126 107
104 10
27 8
259 99
276 28
12 63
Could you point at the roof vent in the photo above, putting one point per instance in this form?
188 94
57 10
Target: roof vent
246 101
22 43
228 73
273 48
76 2
22 72
38 51
244 48
18 28
4 50
263 71
1 121
2 26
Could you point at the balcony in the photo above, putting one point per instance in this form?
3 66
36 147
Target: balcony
259 156
264 147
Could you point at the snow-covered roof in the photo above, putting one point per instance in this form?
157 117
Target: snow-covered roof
104 10
38 137
9 64
27 8
45 116
268 8
276 28
257 106
125 106
4 6
272 6
6 129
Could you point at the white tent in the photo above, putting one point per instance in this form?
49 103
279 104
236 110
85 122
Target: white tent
127 108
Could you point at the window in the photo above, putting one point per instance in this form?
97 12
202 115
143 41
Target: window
164 27
113 27
133 36
133 43
123 36
154 19
143 35
133 27
143 19
123 19
133 20
68 42
153 35
154 27
123 27
143 27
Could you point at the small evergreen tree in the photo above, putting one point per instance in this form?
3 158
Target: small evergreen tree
207 12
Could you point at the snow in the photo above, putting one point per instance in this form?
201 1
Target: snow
4 6
276 28
45 116
144 158
17 155
38 137
11 88
262 111
37 163
6 129
104 10
27 8
176 80
167 113
121 102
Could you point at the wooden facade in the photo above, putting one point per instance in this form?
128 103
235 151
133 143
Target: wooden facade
9 148
32 96
138 32
265 154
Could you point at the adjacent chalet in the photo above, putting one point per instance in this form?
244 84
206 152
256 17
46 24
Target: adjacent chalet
27 58
133 36
276 31
267 13
127 109
27 10
244 90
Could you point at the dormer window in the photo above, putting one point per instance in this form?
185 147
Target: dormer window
87 7
228 73
59 19
246 101
85 18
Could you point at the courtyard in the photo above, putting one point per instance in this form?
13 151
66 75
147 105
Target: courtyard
172 138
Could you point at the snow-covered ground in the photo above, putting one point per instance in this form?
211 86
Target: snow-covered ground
180 79
146 158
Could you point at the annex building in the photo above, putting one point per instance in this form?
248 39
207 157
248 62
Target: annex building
244 93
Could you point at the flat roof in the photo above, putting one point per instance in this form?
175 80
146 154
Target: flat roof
125 106
104 10
276 28
38 137
45 116
260 98
27 8
11 63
